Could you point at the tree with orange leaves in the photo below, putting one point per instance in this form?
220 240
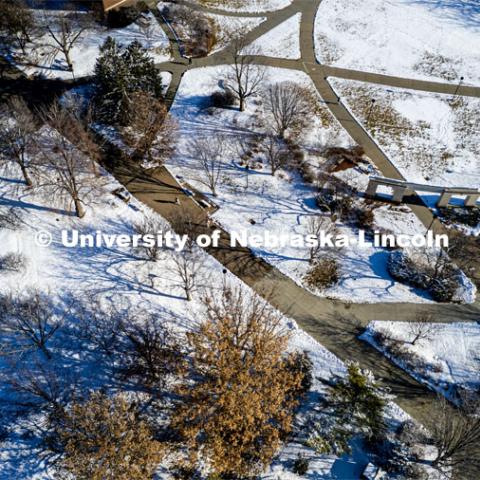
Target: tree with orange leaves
240 394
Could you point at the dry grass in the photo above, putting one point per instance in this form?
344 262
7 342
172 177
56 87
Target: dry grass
437 65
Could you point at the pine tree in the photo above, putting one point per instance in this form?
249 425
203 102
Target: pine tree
359 401
355 406
119 74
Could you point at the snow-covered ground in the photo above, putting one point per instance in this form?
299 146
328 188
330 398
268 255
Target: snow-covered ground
431 138
282 41
426 39
166 80
251 6
282 203
118 276
84 53
230 27
447 359
225 27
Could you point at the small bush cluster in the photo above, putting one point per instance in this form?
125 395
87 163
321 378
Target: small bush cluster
222 98
306 171
10 220
324 273
124 16
12 262
338 205
197 32
339 156
365 217
435 273
464 216
300 466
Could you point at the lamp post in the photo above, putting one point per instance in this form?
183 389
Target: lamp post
458 86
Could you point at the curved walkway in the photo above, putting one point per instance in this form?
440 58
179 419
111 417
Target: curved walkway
335 324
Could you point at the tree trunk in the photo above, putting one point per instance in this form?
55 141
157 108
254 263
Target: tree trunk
79 211
69 62
45 351
242 104
26 177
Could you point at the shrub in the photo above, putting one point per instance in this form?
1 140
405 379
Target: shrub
12 262
355 405
432 271
222 98
105 438
300 465
203 36
298 155
152 355
323 274
338 205
465 216
124 16
10 220
365 218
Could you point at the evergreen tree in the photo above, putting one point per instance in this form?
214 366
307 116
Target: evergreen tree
119 74
356 406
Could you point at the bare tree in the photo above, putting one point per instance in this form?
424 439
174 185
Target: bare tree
17 23
316 225
289 104
68 171
152 354
209 151
244 77
101 326
276 154
66 30
242 148
188 266
150 131
456 435
79 133
17 137
31 319
43 386
185 221
146 26
150 225
422 328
